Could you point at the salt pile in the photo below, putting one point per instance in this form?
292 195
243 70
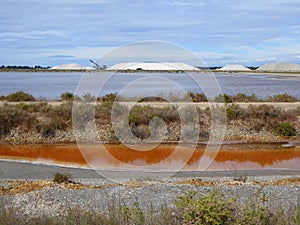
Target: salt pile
279 67
234 67
71 66
152 66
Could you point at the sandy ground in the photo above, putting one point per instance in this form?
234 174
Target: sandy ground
201 105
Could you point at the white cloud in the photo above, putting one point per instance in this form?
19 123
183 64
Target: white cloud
183 3
33 34
77 2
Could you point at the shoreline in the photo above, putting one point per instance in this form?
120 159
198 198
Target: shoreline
157 104
150 71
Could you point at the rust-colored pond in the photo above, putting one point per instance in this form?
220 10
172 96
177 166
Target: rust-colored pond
230 157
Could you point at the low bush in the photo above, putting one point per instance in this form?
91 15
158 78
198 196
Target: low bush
285 129
62 178
240 97
282 98
107 98
13 116
223 98
41 107
196 97
19 96
210 209
67 96
63 112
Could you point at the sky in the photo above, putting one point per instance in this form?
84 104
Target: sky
219 32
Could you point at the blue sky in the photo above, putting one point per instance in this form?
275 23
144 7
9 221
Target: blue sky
39 32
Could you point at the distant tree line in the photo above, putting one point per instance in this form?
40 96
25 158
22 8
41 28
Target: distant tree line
24 67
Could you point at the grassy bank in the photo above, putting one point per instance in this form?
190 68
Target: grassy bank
47 121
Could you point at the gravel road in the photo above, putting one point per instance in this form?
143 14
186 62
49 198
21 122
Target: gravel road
149 192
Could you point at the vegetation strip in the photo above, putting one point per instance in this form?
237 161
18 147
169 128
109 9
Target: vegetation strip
13 187
40 122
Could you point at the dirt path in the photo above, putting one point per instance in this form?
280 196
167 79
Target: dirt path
201 105
20 170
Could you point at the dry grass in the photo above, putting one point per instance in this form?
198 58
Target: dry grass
13 187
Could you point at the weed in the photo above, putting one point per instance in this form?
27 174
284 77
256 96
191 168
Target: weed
62 178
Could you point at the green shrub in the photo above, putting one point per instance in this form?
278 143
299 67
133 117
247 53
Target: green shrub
211 209
234 111
19 96
196 97
108 98
223 98
13 116
63 111
67 96
240 97
285 129
282 98
41 107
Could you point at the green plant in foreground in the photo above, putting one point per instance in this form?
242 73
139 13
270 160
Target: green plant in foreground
211 209
192 208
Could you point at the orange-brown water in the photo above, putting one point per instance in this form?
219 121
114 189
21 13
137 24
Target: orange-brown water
230 157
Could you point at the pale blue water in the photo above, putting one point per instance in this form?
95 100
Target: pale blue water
52 85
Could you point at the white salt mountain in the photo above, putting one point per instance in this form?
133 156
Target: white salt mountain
234 67
152 66
279 67
71 66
